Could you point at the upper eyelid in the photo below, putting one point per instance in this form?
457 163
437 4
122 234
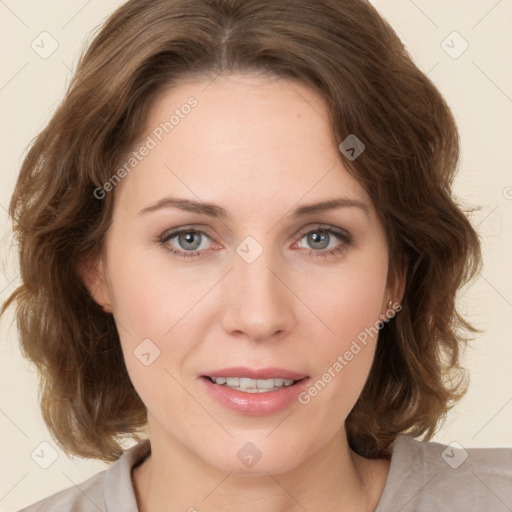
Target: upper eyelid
322 226
171 233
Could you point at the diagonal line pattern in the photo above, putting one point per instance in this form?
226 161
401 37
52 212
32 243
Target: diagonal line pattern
198 301
486 14
85 494
424 13
199 403
416 494
495 289
492 81
286 491
14 76
121 325
12 488
305 100
503 407
167 167
432 68
216 487
9 283
491 490
67 67
300 199
211 82
76 14
13 13
279 424
14 423
488 215
334 334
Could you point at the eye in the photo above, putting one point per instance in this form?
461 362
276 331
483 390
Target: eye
189 242
322 240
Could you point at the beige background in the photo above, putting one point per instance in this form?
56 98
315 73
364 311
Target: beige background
478 86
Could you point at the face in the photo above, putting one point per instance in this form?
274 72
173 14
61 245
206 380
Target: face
257 281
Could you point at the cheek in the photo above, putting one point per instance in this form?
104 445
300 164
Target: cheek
350 300
151 312
148 299
157 310
349 304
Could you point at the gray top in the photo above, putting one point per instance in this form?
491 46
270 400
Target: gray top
423 477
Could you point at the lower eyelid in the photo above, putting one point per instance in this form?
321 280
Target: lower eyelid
344 238
166 239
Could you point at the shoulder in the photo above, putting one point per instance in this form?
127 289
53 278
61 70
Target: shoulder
110 489
425 475
85 496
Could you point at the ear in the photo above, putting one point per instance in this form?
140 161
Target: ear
397 280
92 273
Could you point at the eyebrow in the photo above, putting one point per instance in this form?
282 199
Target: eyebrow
213 210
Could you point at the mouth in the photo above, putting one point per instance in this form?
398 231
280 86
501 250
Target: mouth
255 392
249 385
252 380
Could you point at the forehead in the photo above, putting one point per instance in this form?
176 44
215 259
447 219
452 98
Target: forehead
245 140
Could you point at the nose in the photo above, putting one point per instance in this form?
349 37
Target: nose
259 303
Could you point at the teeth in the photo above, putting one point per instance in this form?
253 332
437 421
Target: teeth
252 385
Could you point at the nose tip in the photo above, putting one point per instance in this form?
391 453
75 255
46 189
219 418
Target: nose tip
260 305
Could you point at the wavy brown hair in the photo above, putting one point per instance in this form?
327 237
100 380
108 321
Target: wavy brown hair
347 53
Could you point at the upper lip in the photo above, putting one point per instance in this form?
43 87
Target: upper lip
254 373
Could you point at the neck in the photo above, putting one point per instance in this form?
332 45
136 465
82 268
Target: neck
332 479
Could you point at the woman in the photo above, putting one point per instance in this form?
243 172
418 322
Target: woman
238 231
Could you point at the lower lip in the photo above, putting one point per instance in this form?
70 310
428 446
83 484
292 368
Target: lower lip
256 404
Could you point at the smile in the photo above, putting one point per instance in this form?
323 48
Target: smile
249 385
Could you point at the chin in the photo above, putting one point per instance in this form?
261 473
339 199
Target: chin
258 458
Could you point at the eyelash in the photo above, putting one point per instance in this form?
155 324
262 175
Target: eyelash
344 237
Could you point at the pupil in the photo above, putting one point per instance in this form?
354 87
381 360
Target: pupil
318 239
188 238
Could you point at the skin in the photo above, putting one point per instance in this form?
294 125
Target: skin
259 148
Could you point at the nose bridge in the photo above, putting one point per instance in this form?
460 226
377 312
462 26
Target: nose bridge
260 304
